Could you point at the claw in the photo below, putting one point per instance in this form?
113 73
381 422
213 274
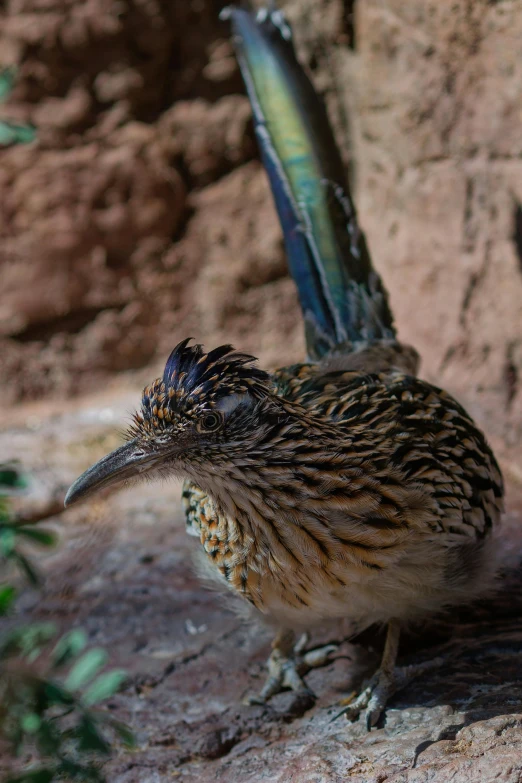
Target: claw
339 714
286 670
374 697
320 656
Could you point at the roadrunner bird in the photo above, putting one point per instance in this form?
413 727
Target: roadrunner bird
341 487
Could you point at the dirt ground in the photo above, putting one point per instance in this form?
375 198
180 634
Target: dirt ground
141 216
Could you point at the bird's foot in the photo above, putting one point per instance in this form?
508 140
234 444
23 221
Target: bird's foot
373 698
286 669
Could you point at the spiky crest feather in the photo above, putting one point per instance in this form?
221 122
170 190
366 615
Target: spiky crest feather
194 380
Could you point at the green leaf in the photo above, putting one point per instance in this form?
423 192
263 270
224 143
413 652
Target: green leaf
31 723
7 596
86 668
55 694
33 654
7 78
124 732
7 134
104 686
69 646
43 537
24 639
11 477
90 739
31 573
7 541
10 133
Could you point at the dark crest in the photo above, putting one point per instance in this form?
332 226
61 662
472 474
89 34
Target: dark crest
191 372
194 380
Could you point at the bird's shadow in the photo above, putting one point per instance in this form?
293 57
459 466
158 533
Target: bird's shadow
482 647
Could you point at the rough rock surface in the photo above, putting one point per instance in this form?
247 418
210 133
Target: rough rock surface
438 103
142 215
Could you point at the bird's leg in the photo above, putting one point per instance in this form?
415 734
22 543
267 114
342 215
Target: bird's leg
386 681
288 663
382 685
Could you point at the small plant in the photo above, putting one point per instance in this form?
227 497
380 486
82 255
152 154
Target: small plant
13 532
11 132
50 687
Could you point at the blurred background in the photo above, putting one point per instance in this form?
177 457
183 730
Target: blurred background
141 215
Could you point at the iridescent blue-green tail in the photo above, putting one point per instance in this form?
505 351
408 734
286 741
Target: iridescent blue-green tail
342 297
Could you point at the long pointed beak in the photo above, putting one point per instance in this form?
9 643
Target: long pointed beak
123 463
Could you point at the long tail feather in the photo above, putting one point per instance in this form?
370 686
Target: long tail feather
342 297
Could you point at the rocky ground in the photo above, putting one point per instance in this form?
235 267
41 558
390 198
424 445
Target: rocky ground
140 216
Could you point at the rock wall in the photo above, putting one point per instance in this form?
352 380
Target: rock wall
142 215
438 110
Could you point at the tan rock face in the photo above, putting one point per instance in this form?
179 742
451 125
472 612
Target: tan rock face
439 98
134 221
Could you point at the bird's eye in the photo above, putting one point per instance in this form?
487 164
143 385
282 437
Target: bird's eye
210 422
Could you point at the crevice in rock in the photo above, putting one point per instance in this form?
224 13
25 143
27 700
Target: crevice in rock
511 378
517 233
71 323
448 356
469 232
449 733
474 281
348 24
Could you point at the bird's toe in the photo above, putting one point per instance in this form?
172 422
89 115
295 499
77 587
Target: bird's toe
286 672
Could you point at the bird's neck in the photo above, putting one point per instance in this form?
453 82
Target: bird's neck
271 480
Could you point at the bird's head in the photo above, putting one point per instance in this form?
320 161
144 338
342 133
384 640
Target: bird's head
206 409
